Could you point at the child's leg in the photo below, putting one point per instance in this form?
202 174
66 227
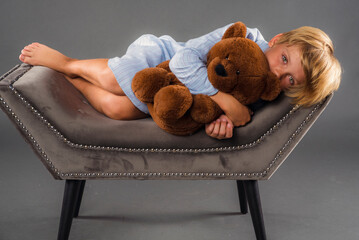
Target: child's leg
95 71
112 105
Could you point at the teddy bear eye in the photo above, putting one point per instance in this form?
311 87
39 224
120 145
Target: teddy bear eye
238 72
227 57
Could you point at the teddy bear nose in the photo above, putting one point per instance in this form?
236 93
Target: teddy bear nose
220 70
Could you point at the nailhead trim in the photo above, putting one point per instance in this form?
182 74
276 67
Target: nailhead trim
166 174
146 150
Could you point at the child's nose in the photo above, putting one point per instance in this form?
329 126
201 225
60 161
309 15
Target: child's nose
278 72
275 73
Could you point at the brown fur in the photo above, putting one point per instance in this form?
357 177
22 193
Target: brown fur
177 111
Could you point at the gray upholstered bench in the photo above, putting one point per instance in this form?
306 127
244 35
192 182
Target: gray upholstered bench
76 143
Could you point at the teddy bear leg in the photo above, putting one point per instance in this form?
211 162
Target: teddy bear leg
204 109
147 82
172 102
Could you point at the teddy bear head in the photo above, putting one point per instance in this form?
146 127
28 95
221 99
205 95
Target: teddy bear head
238 66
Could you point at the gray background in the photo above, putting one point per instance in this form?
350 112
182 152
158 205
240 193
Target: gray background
314 194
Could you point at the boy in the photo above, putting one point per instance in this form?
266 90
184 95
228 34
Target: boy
302 59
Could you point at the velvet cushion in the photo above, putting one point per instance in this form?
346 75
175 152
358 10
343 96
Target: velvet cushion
74 141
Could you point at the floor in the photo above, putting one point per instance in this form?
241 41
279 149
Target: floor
313 195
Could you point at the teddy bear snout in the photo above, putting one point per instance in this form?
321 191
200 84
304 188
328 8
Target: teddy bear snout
220 70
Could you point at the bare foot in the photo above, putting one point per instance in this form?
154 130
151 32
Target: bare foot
38 54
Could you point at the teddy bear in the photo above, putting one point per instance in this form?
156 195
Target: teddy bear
235 65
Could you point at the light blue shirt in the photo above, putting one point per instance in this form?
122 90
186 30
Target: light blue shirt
187 60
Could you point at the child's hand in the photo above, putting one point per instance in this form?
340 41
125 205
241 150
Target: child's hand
221 128
238 113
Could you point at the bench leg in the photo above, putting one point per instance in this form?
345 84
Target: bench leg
254 202
79 198
69 204
242 197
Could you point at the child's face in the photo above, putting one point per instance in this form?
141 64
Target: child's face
285 63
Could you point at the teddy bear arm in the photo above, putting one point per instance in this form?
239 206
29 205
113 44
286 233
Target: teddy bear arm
204 109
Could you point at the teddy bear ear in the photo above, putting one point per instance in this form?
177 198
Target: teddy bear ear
238 29
272 89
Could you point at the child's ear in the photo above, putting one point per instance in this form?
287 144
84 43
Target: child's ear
274 39
272 89
238 29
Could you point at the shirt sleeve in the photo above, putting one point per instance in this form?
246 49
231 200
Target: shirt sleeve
189 63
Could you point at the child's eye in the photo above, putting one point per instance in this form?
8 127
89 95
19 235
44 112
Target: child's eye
284 58
291 80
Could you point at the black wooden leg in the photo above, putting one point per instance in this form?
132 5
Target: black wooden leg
242 197
254 202
79 198
72 188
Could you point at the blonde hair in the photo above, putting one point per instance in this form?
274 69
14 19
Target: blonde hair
321 68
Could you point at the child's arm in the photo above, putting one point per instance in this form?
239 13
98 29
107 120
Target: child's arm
234 110
222 128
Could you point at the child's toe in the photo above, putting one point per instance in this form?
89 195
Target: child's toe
35 45
25 52
22 58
